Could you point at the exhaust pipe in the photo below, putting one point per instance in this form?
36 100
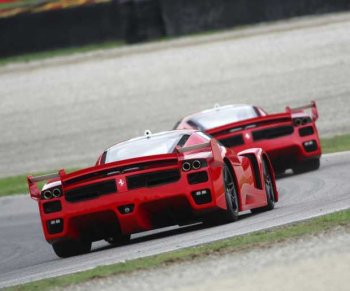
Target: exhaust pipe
47 194
196 164
56 192
186 166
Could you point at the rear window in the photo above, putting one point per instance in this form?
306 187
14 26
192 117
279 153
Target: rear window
221 116
157 144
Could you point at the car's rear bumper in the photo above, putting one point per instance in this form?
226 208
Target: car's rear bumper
136 210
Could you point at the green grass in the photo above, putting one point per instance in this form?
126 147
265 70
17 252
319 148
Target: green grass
18 4
18 184
236 244
13 185
337 143
59 52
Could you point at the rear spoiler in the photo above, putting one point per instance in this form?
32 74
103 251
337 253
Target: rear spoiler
311 106
128 165
250 123
214 147
33 186
194 147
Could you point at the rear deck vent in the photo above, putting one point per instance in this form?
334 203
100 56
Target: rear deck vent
153 179
272 133
91 191
232 141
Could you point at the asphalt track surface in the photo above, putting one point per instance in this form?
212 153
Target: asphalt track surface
61 113
25 256
64 112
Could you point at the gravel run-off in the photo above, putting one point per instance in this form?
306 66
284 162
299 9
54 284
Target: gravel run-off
318 263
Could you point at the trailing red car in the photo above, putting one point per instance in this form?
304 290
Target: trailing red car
148 182
290 138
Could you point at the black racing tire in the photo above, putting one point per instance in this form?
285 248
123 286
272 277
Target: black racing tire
69 248
307 166
231 213
279 170
231 197
270 191
118 240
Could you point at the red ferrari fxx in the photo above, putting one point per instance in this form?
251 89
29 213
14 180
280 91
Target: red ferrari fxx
290 138
153 181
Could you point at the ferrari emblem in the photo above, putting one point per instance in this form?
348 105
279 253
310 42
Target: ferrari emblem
247 135
121 182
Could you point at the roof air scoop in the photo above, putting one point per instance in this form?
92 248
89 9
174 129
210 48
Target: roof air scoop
148 133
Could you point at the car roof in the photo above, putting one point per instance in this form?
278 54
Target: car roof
179 132
216 108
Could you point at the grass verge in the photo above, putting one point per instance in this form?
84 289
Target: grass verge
337 143
59 52
235 244
18 184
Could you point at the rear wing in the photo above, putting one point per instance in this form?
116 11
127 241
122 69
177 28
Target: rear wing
193 148
212 144
118 167
238 126
312 106
34 191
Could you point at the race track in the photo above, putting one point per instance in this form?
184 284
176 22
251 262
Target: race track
25 256
63 113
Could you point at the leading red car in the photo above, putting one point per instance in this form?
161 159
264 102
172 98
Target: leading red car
290 138
148 182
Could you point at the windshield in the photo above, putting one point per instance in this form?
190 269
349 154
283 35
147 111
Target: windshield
221 116
163 143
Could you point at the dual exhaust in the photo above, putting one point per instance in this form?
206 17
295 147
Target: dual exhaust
191 165
52 193
301 121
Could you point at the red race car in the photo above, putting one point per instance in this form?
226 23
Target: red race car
148 182
290 138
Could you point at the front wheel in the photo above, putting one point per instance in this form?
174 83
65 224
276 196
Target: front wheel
69 248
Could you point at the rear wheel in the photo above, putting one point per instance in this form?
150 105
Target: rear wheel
269 190
118 240
307 166
231 213
279 169
69 248
231 196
